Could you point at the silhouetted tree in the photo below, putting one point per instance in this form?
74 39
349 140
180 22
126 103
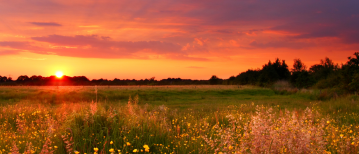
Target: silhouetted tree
298 66
214 80
323 70
248 77
281 69
268 75
327 74
350 73
272 72
9 79
354 61
300 76
23 78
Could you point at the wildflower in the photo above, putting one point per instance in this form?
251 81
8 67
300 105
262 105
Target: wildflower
135 150
341 135
95 149
111 150
353 143
147 149
55 147
76 152
128 143
230 147
328 122
111 142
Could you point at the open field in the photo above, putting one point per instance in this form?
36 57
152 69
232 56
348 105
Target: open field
175 119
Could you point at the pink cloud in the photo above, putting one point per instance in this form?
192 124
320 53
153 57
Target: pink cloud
93 46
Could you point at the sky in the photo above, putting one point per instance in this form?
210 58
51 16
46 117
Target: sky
138 39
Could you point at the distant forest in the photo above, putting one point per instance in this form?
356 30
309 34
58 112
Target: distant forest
325 74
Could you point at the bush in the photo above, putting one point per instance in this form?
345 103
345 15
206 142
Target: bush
329 82
354 85
301 79
283 88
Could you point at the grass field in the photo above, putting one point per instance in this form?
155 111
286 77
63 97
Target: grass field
175 119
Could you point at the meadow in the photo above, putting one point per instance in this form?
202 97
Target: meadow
175 119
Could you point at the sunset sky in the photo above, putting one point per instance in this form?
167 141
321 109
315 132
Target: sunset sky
191 39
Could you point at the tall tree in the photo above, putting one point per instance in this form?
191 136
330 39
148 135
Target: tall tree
298 66
324 69
300 76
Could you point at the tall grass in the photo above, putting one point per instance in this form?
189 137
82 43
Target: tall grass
117 128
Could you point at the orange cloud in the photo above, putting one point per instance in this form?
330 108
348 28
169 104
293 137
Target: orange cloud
213 33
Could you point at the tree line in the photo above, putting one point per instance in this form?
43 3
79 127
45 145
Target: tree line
34 80
325 74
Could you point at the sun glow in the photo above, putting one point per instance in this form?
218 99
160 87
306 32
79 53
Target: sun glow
59 74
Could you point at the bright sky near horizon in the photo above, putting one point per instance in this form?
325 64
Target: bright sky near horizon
138 39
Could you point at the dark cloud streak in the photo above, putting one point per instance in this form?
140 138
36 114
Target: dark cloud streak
45 24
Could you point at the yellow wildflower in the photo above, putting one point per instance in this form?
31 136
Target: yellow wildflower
135 150
111 142
146 146
147 149
95 149
111 150
128 143
76 152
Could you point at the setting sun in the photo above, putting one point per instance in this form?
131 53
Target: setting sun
59 74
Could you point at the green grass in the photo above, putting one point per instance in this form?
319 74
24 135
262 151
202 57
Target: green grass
179 97
174 96
171 97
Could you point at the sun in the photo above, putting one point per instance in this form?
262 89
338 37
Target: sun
59 74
